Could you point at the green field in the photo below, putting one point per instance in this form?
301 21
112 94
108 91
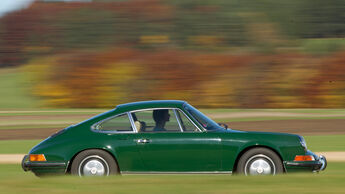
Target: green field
290 110
240 115
227 120
14 180
326 143
49 111
17 146
15 90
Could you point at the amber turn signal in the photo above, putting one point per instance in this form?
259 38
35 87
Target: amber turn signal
37 158
304 158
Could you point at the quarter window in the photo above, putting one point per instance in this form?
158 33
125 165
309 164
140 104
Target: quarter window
206 122
186 124
119 123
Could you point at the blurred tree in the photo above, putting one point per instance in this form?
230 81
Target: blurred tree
217 53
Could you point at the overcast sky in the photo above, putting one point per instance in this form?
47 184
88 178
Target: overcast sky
7 6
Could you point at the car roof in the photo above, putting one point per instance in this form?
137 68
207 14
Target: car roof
150 104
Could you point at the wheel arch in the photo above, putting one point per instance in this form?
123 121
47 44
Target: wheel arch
252 147
68 170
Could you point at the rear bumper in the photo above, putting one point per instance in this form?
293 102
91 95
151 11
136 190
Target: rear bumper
40 168
319 164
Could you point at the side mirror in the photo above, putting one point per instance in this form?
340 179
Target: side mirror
225 126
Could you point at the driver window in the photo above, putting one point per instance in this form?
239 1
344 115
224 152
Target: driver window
186 124
158 120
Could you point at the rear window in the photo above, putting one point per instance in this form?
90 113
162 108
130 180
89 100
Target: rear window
118 123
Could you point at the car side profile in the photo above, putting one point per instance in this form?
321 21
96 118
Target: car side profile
166 136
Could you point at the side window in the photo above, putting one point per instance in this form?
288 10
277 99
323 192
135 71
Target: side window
158 120
186 124
119 123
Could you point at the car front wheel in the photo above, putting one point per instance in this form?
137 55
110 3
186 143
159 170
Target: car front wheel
260 161
94 163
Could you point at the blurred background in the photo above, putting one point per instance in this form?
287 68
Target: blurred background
219 53
264 65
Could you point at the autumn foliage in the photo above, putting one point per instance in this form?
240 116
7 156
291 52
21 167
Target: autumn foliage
210 80
212 54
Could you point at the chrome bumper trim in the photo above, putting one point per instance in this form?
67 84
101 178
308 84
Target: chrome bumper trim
316 166
27 165
323 162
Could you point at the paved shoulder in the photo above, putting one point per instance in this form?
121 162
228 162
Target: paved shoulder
333 156
11 158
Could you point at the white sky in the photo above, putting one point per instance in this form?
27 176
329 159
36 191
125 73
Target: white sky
7 6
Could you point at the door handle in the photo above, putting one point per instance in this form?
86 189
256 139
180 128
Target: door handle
143 141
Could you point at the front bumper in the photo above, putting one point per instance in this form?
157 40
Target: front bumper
319 164
40 168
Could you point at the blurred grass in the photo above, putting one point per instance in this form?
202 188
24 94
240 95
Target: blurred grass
33 112
292 110
273 118
319 46
324 143
17 146
14 90
273 114
315 143
40 126
15 180
43 121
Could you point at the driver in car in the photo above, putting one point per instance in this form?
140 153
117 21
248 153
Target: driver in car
160 117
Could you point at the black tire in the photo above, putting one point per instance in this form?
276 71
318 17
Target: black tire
259 161
102 163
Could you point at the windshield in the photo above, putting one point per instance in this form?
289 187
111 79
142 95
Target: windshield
206 122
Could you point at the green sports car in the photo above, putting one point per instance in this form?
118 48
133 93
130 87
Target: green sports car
166 136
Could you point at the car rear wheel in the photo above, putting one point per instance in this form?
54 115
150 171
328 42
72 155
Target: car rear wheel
260 161
94 163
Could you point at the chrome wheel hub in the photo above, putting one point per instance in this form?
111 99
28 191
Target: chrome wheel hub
260 170
93 166
259 165
94 170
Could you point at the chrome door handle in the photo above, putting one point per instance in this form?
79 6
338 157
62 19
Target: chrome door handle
143 141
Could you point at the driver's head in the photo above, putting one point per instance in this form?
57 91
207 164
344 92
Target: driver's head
161 115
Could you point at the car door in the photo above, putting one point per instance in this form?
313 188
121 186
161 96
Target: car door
117 134
179 147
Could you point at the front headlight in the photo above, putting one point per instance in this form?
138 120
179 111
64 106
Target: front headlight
303 143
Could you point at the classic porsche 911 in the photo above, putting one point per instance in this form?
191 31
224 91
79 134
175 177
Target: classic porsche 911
166 137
